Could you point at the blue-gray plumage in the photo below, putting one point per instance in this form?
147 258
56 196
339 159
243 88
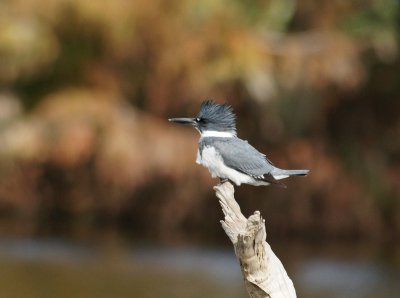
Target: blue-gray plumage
225 155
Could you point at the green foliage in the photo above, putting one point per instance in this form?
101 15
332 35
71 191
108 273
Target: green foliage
377 18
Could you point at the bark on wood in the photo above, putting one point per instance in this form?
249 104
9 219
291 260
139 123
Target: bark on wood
263 273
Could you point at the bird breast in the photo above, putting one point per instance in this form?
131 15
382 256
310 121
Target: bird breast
212 160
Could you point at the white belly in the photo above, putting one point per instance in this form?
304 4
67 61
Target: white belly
214 162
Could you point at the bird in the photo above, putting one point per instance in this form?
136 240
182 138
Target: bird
226 155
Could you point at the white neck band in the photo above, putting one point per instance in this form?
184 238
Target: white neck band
217 134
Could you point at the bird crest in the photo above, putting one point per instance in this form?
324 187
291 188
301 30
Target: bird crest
219 117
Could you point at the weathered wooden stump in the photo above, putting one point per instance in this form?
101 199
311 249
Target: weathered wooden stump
263 273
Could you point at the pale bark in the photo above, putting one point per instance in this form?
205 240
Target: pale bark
263 273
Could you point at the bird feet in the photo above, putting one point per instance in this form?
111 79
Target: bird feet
223 180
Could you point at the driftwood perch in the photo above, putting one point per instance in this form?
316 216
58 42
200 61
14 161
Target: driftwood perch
263 273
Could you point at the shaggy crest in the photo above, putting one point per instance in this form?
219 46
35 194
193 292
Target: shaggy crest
216 116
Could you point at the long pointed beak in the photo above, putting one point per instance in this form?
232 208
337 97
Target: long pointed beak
185 121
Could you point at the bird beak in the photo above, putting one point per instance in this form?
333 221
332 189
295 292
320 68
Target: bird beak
185 121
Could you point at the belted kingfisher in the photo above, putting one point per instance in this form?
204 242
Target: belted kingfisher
225 155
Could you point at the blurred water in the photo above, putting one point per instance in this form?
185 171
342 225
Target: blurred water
59 268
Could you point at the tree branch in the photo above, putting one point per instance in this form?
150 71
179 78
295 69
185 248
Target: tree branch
263 273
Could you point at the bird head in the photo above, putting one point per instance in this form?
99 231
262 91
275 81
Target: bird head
213 117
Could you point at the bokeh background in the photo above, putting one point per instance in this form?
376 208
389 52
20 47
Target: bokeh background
100 196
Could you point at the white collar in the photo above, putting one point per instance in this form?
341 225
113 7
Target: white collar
218 134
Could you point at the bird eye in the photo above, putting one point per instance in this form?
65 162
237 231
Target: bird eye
201 120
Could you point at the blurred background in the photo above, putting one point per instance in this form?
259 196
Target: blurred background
100 196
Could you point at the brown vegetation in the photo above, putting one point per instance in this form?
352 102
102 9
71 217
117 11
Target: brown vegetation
87 87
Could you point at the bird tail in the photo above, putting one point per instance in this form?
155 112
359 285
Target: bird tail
295 172
279 174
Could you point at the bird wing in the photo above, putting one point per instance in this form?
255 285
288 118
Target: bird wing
241 156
